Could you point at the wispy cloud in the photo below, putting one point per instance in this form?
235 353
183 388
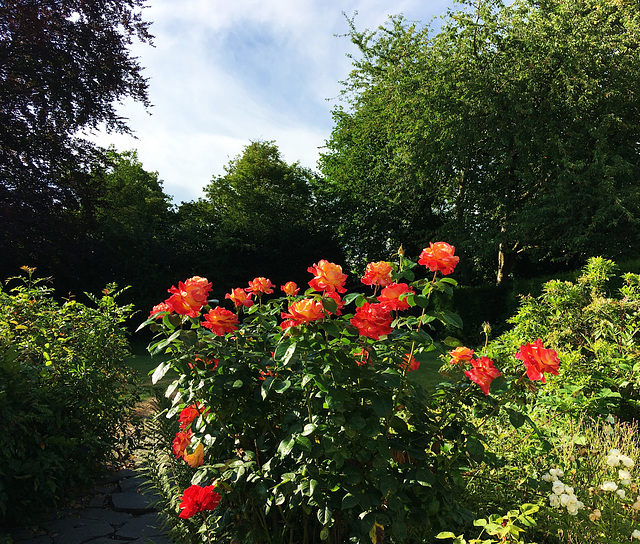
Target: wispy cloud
224 74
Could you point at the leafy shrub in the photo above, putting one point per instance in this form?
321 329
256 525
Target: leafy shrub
302 415
65 393
596 330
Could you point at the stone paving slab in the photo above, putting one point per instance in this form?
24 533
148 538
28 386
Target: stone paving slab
122 510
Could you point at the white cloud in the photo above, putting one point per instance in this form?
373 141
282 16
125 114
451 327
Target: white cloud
224 74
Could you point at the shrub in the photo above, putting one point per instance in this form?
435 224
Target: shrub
301 414
65 393
596 330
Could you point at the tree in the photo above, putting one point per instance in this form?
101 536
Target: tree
513 131
267 213
63 65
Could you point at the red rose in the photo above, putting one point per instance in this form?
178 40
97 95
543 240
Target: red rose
389 296
188 414
483 373
439 256
220 321
378 273
198 499
328 277
538 360
372 320
240 297
339 302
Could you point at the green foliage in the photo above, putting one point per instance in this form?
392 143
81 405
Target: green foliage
65 392
505 132
596 331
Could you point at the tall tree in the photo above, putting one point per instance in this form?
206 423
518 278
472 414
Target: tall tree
63 65
513 131
268 218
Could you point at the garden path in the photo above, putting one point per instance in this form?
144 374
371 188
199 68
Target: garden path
118 508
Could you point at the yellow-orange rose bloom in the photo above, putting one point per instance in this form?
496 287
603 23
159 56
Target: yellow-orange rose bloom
328 277
378 273
439 256
301 312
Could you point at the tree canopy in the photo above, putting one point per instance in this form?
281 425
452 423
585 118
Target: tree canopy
63 66
512 131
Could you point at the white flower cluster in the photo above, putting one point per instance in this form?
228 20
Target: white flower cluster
562 495
635 534
615 459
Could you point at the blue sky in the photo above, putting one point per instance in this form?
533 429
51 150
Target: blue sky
223 74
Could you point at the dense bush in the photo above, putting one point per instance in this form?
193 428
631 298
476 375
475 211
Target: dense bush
65 392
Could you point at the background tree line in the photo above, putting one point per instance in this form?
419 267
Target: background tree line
511 132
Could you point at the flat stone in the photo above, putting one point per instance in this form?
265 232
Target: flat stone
98 501
97 514
140 527
133 503
117 476
133 484
42 539
152 540
80 531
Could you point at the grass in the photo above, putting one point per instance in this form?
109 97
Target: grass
143 366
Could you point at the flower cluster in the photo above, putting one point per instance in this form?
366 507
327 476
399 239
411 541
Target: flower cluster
186 299
562 495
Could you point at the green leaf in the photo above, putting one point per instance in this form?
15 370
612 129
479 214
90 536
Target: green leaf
447 316
329 304
516 418
350 297
160 371
280 386
286 446
349 501
303 443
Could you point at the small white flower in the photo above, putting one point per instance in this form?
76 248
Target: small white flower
609 486
627 461
625 477
621 493
635 534
554 500
547 477
556 472
610 419
636 505
614 451
568 490
558 487
613 460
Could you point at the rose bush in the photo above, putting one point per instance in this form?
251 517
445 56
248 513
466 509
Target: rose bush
310 426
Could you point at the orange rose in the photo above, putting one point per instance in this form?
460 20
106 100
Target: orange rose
328 277
378 273
290 288
483 373
372 320
220 321
259 286
439 256
301 312
538 360
409 363
240 297
390 296
461 355
196 458
180 443
189 297
159 308
363 357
